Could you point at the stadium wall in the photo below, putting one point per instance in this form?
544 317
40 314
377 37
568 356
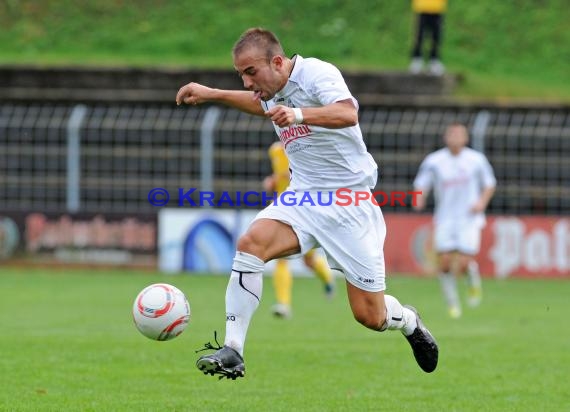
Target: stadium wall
75 153
94 239
203 241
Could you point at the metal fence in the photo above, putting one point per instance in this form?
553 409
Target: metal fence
107 157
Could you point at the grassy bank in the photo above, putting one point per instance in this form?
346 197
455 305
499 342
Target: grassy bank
502 49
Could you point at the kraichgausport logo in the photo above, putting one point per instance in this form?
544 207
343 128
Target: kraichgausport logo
342 197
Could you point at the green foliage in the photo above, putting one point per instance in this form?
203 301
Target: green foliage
69 344
502 48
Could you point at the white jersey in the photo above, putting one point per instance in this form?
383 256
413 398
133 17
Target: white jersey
457 182
321 158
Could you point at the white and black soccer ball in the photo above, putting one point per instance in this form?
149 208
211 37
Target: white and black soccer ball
161 312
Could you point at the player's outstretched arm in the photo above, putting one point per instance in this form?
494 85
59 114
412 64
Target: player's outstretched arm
195 93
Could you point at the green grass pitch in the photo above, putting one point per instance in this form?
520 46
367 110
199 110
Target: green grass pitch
68 343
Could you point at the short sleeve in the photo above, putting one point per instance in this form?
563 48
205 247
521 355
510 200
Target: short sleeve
487 175
424 178
328 85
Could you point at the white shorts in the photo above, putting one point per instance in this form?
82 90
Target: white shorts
458 236
351 236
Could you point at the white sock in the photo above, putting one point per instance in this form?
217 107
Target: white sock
399 317
449 288
242 297
473 276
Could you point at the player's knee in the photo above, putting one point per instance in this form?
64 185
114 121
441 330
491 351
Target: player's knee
309 261
445 268
462 266
248 243
370 319
444 263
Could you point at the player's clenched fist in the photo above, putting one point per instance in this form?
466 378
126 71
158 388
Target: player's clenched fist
192 93
282 116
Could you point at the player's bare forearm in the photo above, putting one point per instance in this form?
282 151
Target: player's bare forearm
269 183
419 200
484 200
195 93
486 196
333 116
240 99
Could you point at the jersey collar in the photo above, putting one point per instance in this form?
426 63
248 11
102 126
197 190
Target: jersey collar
292 82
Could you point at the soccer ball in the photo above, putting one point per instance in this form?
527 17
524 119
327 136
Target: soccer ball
161 312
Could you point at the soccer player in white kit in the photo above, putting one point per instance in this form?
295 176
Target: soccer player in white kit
316 118
463 183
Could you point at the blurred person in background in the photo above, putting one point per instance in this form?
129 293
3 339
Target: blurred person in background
463 183
282 278
429 16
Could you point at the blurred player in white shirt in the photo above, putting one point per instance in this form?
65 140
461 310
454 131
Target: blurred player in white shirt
463 183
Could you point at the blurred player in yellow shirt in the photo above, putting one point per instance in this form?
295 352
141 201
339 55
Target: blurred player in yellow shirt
282 278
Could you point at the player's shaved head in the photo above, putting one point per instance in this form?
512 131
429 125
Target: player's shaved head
263 40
